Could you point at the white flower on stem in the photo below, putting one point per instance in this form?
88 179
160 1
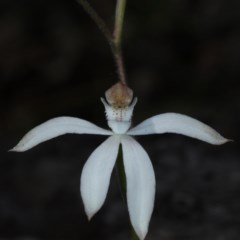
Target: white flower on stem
139 172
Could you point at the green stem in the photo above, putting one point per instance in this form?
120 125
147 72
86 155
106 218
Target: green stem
134 235
117 39
123 185
121 174
119 16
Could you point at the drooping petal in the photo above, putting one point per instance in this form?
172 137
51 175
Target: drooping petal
96 175
140 185
178 123
56 127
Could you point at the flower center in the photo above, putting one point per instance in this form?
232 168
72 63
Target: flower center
119 118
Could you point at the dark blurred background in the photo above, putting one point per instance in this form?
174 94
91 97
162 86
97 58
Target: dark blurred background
180 56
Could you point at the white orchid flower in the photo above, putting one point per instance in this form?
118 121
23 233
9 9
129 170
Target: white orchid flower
139 171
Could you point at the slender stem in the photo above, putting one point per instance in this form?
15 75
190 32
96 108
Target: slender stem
120 66
123 185
134 235
117 39
119 16
98 20
121 174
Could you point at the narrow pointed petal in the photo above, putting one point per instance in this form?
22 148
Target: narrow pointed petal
56 127
140 185
180 124
96 175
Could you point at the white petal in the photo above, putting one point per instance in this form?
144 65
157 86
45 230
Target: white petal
178 123
96 175
140 185
56 127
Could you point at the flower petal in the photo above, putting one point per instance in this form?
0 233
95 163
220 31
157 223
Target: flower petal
96 175
178 123
140 185
56 127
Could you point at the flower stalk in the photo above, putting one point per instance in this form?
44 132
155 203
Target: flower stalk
114 39
98 20
134 235
119 16
117 37
123 185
